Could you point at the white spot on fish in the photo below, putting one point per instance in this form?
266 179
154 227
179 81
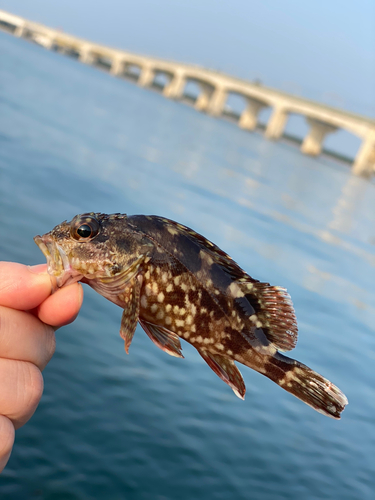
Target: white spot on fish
144 301
235 291
189 319
177 280
187 301
168 307
161 297
268 350
180 322
206 257
169 288
288 377
168 320
172 230
160 314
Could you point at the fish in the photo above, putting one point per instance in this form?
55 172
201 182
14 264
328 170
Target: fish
178 285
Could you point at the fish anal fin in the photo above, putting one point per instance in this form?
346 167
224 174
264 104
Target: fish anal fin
131 312
274 313
226 370
165 339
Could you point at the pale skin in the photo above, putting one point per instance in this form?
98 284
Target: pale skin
29 316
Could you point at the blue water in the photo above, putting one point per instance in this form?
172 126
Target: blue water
149 426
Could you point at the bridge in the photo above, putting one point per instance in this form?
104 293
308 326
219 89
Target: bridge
214 89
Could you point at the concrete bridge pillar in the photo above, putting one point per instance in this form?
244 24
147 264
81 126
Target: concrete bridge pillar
364 163
146 77
175 87
19 31
117 66
49 43
42 38
217 101
249 117
85 55
312 144
203 100
276 124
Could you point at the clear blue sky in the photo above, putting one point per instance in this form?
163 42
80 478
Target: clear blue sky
321 49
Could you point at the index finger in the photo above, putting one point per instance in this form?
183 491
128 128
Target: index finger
22 287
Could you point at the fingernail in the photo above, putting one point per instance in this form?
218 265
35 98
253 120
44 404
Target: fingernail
38 269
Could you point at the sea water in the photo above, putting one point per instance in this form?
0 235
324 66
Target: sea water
74 139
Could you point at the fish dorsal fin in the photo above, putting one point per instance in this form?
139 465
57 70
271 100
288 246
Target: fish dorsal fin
274 313
165 339
217 255
226 370
131 312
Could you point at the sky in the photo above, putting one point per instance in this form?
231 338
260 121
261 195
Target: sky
321 49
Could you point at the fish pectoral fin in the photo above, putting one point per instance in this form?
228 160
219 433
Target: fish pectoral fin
165 339
226 370
274 313
131 312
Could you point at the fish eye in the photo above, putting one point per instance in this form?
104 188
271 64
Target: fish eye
85 229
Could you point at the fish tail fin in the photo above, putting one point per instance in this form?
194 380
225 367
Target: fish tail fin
307 385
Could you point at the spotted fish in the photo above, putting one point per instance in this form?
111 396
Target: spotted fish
179 285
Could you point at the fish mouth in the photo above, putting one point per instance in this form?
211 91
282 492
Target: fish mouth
57 261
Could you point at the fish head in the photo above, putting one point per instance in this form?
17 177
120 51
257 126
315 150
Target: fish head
93 247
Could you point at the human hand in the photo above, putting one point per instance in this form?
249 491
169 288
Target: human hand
29 316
